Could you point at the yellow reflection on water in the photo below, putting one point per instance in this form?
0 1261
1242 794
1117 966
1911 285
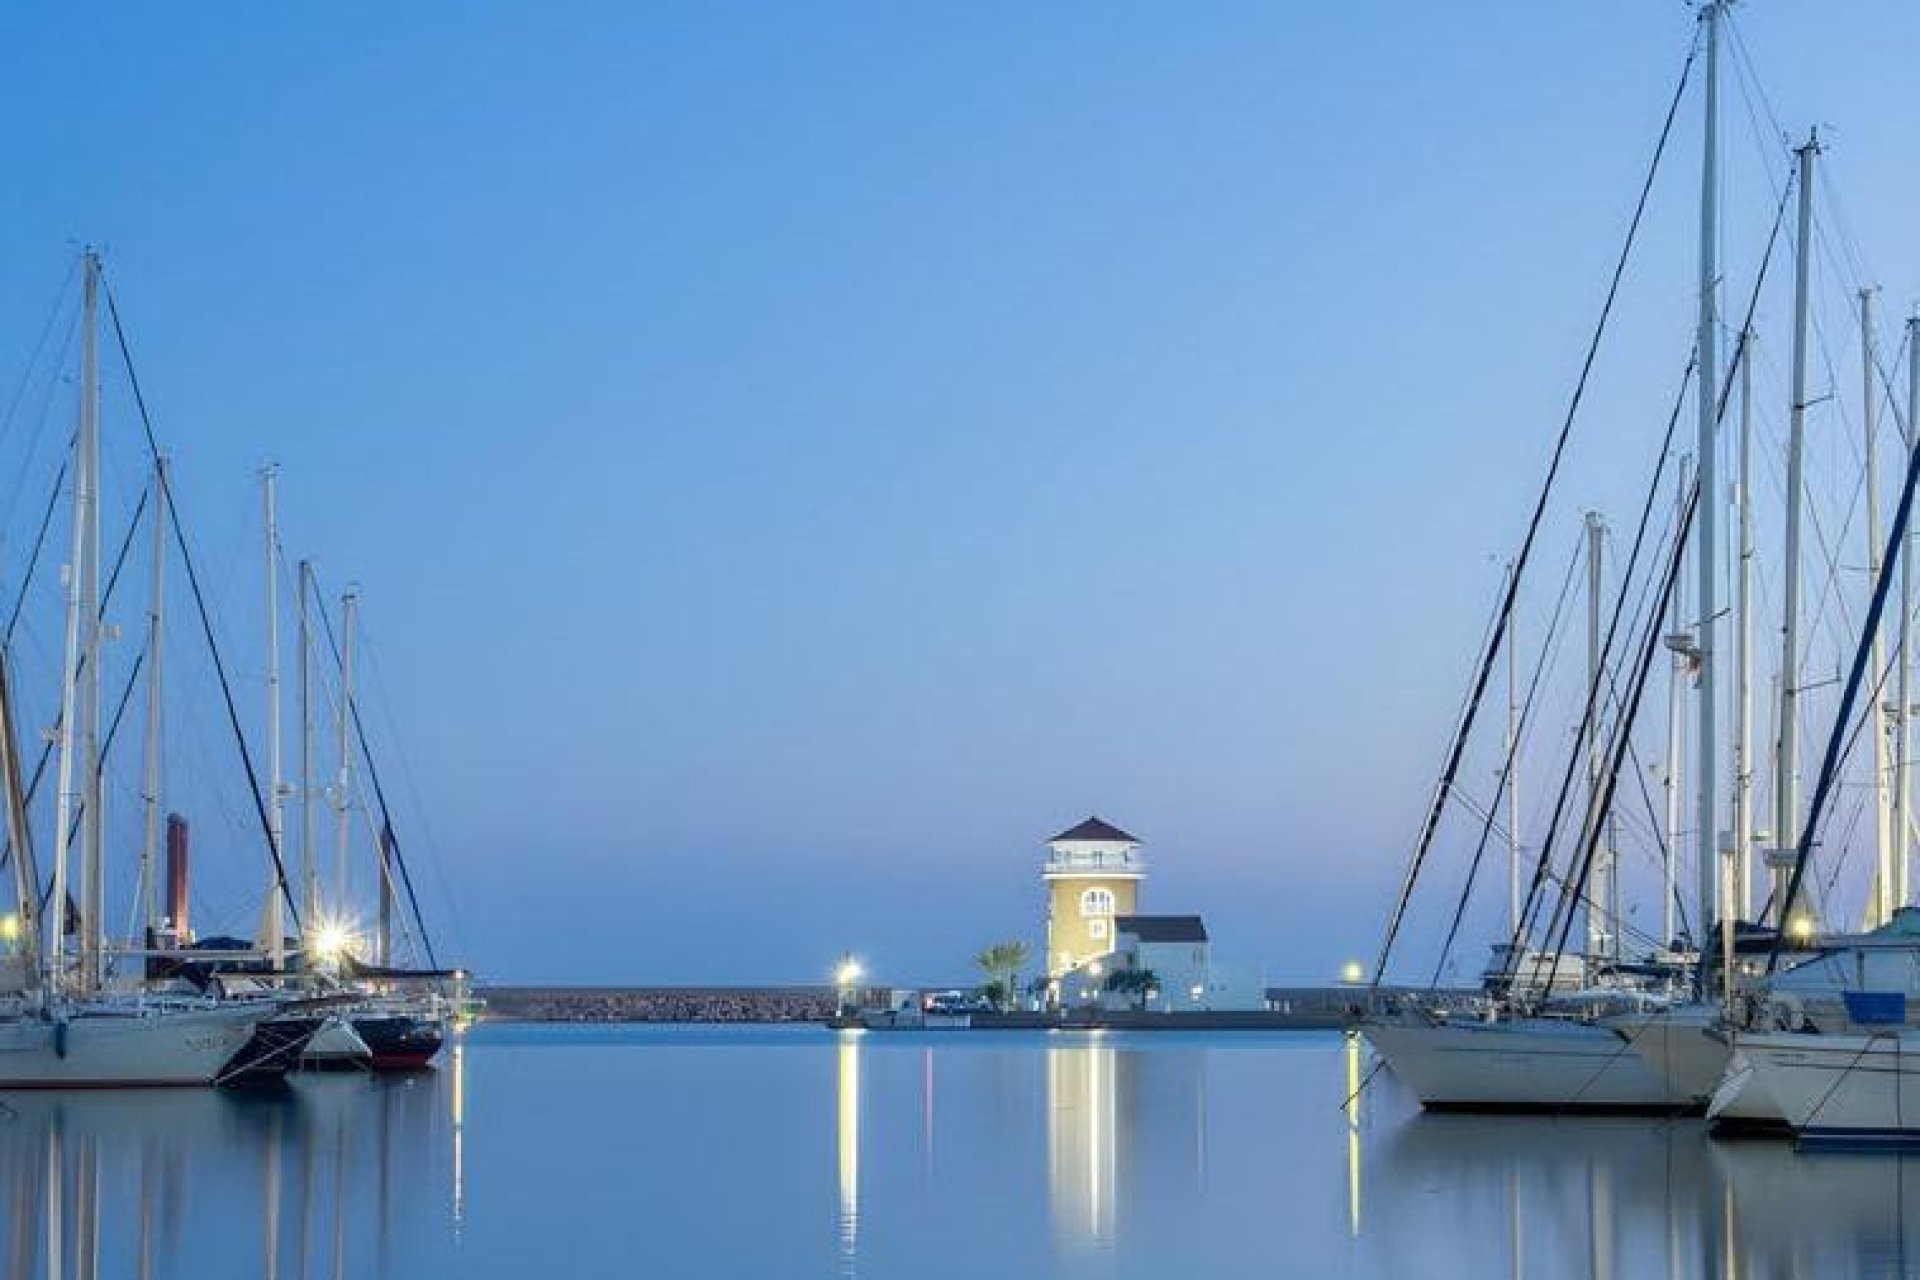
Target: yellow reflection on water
1353 1134
1080 1141
459 1092
847 1113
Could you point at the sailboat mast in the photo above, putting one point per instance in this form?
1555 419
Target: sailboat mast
276 810
1741 894
150 772
1903 680
92 795
1600 885
67 798
1706 549
1881 908
343 745
1513 775
309 855
1786 782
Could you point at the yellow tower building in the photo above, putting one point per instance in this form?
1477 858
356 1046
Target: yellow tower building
1093 874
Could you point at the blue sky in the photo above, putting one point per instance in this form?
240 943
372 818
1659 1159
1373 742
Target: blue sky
798 457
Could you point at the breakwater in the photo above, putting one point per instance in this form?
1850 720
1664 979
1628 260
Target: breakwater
660 1004
1299 1007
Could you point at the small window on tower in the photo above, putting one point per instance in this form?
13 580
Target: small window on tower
1097 927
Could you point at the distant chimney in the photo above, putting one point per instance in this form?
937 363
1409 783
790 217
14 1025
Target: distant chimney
177 878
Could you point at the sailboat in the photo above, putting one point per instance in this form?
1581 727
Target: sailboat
1529 1045
64 1026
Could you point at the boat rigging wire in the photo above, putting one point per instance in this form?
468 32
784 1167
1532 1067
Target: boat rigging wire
1463 731
168 506
1836 740
388 836
1725 394
1506 768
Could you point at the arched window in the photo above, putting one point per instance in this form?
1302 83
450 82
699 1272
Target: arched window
1096 902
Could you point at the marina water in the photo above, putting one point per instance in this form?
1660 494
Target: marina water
559 1151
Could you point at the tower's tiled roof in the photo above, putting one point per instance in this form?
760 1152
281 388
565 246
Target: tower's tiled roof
1094 829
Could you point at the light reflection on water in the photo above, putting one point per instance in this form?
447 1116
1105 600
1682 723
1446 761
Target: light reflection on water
561 1152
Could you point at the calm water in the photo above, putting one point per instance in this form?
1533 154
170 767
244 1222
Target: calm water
556 1152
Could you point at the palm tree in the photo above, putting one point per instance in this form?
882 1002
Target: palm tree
1002 963
1141 984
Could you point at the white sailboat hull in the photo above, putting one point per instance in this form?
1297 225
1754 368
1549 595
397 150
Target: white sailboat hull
337 1045
1841 1088
121 1050
1519 1064
1742 1104
1679 1048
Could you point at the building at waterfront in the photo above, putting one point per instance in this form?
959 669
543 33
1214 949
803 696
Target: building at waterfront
1095 930
1093 873
1164 965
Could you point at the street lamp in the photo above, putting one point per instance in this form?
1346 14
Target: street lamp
844 977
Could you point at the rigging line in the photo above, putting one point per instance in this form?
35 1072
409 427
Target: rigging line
1506 768
1431 824
39 543
1596 825
1535 898
390 841
106 745
169 505
1725 394
61 298
42 415
106 598
1602 736
1829 767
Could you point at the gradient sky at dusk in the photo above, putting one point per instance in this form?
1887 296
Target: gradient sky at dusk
798 457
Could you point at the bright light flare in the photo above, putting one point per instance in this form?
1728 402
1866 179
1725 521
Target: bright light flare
848 973
332 940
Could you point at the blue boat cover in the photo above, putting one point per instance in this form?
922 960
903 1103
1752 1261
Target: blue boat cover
1877 1008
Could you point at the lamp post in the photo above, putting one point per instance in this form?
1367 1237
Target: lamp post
843 979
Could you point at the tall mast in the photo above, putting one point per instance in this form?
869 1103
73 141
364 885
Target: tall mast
1708 341
92 794
1741 896
68 797
150 783
276 810
343 745
1786 781
1513 777
1881 908
1600 903
309 855
1902 775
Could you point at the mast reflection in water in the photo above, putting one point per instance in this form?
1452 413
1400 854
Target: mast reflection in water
593 1151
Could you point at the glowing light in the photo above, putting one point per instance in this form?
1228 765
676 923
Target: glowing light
848 973
1800 928
331 940
10 927
1353 972
1093 970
